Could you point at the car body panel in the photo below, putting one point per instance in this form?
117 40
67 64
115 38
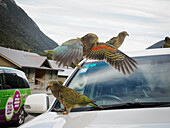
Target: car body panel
121 118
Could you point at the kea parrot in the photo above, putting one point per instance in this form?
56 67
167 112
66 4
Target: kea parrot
167 43
69 97
88 47
117 41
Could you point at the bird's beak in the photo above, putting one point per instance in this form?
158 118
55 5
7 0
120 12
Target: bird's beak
49 85
96 42
127 34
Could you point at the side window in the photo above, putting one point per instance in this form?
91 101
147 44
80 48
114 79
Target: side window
1 81
51 74
56 74
10 81
26 85
27 73
22 83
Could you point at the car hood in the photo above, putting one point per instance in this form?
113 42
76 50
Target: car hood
126 118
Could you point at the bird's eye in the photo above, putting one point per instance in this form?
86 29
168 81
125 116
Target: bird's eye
123 34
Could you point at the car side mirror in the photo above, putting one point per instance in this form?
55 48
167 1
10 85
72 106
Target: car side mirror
36 104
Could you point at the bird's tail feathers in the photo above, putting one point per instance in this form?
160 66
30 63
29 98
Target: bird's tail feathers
95 105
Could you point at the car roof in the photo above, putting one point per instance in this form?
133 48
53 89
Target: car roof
147 52
10 70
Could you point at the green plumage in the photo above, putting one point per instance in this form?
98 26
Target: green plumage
69 97
167 43
72 51
117 41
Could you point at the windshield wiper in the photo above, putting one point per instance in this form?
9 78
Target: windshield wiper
128 105
133 105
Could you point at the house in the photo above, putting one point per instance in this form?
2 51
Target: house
38 69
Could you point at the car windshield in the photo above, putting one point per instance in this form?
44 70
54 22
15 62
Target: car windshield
102 83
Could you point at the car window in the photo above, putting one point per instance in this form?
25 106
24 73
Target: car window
13 81
102 83
1 82
10 81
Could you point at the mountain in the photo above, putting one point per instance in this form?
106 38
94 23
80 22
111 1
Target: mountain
19 31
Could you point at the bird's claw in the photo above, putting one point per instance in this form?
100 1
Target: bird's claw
59 109
65 112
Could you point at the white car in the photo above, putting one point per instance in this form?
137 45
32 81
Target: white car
139 100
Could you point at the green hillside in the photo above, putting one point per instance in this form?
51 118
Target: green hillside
19 31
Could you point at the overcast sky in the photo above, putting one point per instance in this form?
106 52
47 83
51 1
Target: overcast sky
146 21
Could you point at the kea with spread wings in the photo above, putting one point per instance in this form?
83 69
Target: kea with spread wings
88 47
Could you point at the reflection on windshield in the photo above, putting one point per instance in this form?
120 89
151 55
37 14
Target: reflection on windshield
102 83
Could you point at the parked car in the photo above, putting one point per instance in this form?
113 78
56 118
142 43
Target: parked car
14 89
139 100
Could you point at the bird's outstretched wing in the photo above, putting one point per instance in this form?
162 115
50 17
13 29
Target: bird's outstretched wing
69 52
113 56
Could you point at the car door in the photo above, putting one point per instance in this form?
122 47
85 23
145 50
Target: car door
8 82
2 99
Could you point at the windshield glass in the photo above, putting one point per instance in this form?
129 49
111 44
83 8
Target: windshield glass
102 83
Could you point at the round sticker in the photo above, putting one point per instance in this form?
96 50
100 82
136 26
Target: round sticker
17 101
9 108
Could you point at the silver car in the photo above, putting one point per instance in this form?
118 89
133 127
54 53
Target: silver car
139 100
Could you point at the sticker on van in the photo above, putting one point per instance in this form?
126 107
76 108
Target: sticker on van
17 101
9 109
12 105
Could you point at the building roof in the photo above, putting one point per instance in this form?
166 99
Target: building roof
54 65
26 59
66 71
22 58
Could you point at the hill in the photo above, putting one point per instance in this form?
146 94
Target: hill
19 31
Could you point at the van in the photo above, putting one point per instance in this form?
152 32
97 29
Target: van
14 89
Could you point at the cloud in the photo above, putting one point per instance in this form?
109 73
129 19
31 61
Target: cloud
146 21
